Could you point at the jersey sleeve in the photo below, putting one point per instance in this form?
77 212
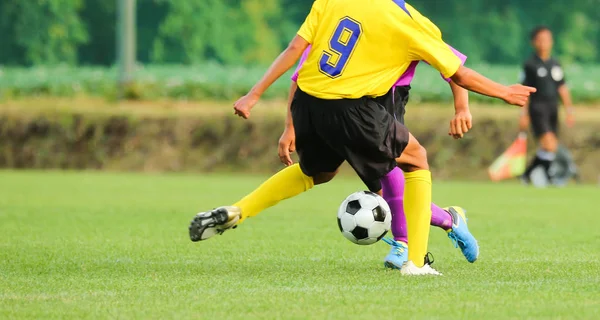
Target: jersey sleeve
309 28
300 63
460 55
559 75
426 44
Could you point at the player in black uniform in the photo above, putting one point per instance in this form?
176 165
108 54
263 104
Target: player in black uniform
545 74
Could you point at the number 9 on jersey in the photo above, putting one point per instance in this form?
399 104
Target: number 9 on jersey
341 45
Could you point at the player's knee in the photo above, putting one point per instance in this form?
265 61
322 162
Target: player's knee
549 142
421 160
324 177
413 158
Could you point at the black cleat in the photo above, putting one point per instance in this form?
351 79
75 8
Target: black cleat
210 223
429 258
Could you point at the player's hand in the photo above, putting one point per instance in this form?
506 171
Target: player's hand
287 145
518 94
244 104
570 120
460 124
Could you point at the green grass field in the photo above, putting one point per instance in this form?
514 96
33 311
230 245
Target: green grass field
107 245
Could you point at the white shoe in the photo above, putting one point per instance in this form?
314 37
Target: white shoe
410 269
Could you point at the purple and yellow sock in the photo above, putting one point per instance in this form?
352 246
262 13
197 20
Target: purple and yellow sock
393 193
440 218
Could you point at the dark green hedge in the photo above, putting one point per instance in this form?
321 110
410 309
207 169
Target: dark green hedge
221 142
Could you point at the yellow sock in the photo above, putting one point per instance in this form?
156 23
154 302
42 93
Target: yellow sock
417 208
286 183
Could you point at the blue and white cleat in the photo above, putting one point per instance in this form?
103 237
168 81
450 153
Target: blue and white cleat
460 234
398 254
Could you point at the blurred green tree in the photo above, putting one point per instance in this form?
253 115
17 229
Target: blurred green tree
199 30
45 31
254 31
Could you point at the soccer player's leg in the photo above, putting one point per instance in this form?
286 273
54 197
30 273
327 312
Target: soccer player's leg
544 123
285 184
460 235
370 141
414 159
318 164
446 219
393 192
417 201
393 186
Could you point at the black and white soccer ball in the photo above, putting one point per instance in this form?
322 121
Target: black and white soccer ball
364 217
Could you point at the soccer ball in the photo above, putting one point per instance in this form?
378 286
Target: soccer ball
364 217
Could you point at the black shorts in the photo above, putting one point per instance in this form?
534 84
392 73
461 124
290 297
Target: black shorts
395 101
360 131
544 118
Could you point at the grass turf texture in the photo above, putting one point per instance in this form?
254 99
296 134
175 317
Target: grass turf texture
104 245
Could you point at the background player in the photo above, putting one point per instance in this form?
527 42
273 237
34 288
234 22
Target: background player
393 183
544 73
335 120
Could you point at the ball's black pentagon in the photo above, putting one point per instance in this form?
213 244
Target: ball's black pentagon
340 224
381 236
360 233
370 193
353 207
379 214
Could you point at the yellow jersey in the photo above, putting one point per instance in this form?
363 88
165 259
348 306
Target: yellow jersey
361 47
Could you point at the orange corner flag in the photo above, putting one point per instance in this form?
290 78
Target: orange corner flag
512 162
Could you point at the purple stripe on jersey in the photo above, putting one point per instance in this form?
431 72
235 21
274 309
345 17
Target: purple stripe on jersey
409 74
300 63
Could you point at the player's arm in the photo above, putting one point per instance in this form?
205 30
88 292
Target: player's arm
462 121
285 60
565 97
283 63
289 124
425 43
471 80
293 87
287 141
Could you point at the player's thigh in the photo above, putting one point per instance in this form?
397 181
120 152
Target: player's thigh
540 120
414 156
324 177
544 122
316 157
